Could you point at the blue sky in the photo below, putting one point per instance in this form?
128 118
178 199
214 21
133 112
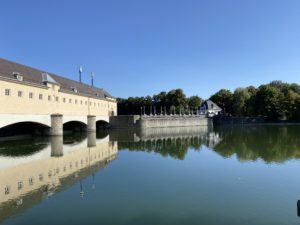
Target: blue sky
141 47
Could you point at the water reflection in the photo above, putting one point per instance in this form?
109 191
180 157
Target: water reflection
32 171
269 143
174 142
27 179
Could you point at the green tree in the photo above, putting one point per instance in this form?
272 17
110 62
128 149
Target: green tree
176 98
240 98
269 102
194 102
224 99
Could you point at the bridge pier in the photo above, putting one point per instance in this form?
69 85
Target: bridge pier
91 139
57 146
91 123
56 125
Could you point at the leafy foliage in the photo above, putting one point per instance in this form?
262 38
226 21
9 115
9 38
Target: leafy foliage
276 101
174 101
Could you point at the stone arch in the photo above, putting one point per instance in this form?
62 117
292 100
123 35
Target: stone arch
80 119
102 118
74 126
23 129
7 120
101 124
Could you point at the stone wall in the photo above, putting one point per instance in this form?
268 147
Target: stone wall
174 121
238 120
124 121
158 121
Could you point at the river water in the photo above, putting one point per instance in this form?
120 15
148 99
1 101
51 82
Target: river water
198 175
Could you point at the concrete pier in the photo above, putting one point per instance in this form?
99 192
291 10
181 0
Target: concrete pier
91 123
57 146
91 139
56 125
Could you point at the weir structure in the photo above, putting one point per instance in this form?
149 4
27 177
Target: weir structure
29 95
161 121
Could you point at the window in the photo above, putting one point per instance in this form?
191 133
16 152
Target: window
81 102
70 100
64 99
74 89
57 99
30 181
18 76
20 185
49 97
30 95
40 96
7 190
7 92
75 101
20 93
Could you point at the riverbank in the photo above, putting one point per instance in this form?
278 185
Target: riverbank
222 120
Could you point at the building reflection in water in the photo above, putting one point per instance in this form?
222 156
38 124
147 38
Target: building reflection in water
272 144
26 181
174 142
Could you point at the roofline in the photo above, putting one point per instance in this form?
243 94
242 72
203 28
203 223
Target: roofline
53 74
50 73
32 84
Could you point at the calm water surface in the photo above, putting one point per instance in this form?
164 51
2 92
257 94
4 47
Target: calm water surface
224 175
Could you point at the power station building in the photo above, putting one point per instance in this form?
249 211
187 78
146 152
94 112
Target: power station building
32 95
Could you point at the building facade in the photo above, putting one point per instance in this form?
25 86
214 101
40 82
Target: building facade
210 109
34 95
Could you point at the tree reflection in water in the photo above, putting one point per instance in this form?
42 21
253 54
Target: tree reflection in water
271 143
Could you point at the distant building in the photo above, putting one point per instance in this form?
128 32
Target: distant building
210 108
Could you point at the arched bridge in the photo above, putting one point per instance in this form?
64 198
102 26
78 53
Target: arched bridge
55 121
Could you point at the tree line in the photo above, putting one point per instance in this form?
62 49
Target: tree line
172 102
276 101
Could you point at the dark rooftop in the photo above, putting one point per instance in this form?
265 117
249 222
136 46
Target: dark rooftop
9 70
209 104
